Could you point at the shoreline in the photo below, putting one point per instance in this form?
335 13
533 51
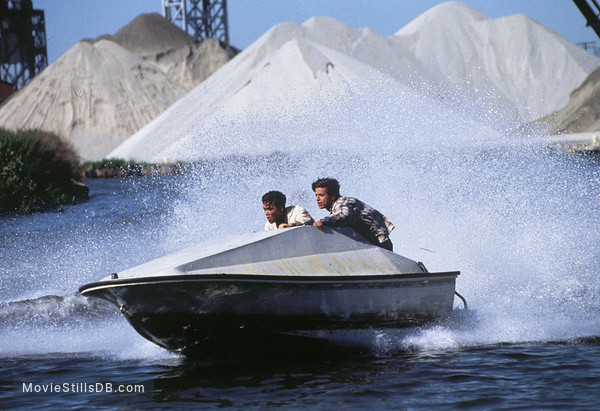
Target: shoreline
585 142
135 170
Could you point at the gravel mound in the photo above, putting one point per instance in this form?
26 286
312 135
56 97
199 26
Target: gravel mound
102 91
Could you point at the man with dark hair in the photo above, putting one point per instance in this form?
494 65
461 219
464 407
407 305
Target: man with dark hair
280 216
349 211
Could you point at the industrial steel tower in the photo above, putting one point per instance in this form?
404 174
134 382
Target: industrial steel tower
22 42
590 12
200 18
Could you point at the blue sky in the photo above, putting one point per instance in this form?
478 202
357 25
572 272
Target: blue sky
69 21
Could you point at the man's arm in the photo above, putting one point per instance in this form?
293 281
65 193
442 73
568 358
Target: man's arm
333 220
299 216
341 214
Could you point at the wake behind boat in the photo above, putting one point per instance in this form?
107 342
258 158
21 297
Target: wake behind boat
263 286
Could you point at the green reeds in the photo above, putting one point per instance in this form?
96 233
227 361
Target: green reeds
37 171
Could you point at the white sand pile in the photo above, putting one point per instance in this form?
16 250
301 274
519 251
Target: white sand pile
294 76
299 94
513 60
364 45
98 93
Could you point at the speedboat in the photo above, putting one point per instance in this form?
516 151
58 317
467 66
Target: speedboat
274 285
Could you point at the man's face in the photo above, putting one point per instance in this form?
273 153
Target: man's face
324 200
273 213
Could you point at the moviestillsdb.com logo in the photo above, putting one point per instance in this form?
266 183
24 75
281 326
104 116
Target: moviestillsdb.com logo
84 388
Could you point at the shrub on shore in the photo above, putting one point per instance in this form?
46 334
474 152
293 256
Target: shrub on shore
38 171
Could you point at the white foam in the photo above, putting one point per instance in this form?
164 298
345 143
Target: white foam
114 339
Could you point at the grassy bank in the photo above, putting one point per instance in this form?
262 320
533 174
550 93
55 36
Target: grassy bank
38 171
110 168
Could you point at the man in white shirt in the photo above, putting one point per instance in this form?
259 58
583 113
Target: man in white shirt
280 216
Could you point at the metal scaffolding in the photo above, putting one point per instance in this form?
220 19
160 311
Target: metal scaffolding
200 18
590 12
22 42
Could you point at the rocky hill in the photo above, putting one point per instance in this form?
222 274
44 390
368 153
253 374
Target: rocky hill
150 34
581 114
102 91
326 78
113 96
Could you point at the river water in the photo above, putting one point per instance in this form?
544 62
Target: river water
520 222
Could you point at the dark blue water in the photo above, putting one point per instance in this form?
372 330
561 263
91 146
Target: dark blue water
512 376
521 225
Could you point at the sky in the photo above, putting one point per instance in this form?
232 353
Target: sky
70 21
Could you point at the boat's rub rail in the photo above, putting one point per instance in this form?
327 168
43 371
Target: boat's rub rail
271 279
